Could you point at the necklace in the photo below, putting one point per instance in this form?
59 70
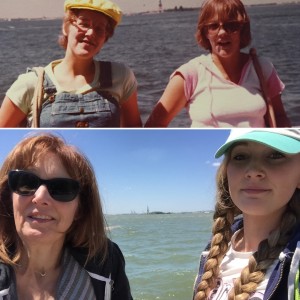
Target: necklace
42 274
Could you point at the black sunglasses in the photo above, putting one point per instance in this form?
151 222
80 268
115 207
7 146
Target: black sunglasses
25 183
229 27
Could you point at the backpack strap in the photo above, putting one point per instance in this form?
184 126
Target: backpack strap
105 77
37 99
270 115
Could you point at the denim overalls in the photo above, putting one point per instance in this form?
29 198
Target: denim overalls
96 108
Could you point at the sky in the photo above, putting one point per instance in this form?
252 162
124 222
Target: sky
166 170
54 8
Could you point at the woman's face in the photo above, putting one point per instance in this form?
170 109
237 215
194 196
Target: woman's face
86 33
224 36
40 218
262 180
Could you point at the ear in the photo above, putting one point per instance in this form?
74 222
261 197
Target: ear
65 29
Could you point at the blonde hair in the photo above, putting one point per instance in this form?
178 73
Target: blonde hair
268 249
88 230
73 13
225 10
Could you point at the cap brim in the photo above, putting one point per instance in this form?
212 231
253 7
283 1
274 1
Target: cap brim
280 142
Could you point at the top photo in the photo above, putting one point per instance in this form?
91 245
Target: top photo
149 64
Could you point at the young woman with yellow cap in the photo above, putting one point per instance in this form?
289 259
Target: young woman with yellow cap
254 252
78 91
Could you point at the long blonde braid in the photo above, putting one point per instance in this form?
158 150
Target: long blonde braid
225 211
267 252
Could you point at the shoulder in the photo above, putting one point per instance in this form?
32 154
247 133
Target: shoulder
114 258
26 80
266 65
194 66
117 68
5 277
203 59
22 90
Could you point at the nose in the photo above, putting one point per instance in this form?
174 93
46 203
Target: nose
42 196
254 170
90 31
221 29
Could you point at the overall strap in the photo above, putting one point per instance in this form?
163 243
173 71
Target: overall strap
38 96
105 77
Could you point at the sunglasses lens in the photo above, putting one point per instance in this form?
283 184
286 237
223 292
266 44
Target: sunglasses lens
213 27
232 27
23 183
63 189
229 27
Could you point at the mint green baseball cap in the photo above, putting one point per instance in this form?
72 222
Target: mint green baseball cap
286 140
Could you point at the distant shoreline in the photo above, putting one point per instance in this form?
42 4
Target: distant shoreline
175 9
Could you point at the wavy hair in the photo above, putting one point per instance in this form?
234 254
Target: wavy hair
225 10
88 230
74 13
268 249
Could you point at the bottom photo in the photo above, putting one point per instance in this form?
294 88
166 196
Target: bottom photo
150 214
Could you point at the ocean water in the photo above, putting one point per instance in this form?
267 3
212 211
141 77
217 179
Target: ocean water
154 45
161 251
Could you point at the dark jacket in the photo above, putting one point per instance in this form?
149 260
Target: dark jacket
109 279
281 284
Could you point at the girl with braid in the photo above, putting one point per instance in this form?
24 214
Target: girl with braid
255 248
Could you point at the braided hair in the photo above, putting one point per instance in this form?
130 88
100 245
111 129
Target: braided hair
268 249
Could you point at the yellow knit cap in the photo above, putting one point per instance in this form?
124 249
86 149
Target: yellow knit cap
104 6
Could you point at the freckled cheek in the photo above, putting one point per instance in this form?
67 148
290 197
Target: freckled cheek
233 173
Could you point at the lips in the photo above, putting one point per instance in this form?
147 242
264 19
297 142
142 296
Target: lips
88 42
40 217
255 191
224 43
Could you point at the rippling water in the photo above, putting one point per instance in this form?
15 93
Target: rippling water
154 45
161 252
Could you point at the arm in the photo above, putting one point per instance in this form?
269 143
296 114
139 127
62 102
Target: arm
121 284
281 118
170 104
10 114
130 115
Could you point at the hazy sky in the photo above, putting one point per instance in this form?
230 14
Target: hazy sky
54 8
167 170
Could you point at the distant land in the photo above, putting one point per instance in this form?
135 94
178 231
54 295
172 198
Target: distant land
52 9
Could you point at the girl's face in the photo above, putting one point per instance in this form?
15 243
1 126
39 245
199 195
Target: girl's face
40 218
224 36
86 34
262 180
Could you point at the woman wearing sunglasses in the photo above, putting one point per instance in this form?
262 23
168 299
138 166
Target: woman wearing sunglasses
53 243
78 90
221 89
254 252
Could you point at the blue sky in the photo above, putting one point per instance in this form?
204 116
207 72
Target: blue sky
167 170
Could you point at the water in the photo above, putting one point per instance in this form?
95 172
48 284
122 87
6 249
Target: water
161 252
154 45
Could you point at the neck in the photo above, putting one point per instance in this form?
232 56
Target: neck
254 231
231 67
39 261
76 67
